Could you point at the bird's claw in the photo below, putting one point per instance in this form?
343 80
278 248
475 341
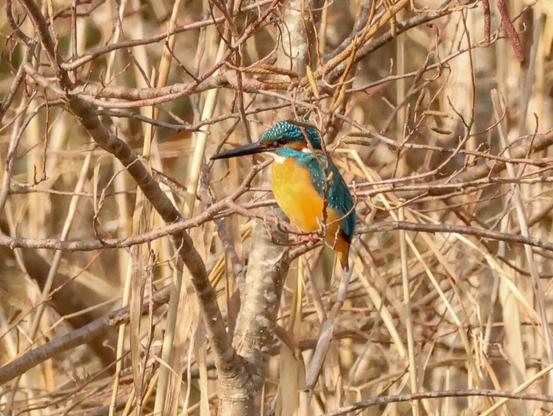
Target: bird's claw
308 238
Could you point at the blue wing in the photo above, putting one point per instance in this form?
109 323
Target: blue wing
339 196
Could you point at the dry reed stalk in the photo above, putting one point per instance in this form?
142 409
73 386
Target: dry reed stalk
442 297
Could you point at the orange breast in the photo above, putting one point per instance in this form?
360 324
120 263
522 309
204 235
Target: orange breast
296 195
300 201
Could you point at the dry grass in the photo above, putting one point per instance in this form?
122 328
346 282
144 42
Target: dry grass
425 311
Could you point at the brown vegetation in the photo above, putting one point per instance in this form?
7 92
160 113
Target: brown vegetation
137 276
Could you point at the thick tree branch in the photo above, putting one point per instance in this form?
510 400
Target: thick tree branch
239 391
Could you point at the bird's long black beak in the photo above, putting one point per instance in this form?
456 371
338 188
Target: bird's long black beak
249 149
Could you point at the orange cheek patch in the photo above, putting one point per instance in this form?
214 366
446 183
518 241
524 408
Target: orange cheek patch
297 145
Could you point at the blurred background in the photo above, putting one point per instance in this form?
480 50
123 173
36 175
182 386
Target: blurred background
420 113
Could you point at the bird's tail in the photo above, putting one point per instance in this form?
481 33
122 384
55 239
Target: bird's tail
341 246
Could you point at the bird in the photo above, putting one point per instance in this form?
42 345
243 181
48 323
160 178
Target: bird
298 181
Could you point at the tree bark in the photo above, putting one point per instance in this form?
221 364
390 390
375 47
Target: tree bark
240 391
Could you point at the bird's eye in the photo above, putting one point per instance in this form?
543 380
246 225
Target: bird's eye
283 140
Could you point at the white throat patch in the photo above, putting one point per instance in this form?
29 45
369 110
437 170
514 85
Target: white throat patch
277 158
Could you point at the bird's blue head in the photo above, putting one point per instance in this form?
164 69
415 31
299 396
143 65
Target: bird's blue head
284 134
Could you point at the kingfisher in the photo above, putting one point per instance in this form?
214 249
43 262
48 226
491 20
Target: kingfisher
298 181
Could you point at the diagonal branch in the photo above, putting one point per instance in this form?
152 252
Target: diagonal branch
75 338
88 118
435 395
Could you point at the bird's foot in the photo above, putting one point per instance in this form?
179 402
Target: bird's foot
307 238
297 238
